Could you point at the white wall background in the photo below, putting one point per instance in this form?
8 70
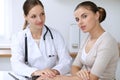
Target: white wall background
59 15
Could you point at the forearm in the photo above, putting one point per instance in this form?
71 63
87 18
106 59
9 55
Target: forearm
74 70
68 78
62 77
22 69
62 68
56 71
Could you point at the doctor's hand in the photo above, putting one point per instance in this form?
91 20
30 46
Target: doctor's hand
84 74
46 73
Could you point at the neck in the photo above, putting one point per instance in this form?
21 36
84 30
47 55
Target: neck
36 33
96 33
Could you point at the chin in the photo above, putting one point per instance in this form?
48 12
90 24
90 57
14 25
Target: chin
84 31
39 27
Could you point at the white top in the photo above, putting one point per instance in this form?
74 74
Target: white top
39 57
37 41
102 58
84 55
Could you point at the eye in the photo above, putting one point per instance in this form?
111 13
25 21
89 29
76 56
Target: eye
34 16
84 16
77 19
43 13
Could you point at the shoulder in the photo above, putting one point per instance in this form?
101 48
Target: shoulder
108 43
57 36
19 35
108 38
55 32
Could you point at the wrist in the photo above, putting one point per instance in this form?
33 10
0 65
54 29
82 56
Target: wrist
56 71
34 73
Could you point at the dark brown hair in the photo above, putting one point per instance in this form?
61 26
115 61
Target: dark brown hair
93 7
28 5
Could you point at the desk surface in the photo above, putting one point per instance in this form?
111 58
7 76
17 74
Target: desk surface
5 76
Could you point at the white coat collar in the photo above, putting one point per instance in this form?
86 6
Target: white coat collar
28 32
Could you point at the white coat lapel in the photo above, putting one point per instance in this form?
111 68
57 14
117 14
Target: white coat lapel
46 46
42 45
33 50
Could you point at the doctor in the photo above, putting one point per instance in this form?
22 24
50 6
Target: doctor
37 49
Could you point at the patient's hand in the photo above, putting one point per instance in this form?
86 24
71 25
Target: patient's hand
46 73
84 74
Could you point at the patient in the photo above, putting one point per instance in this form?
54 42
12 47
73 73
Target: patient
98 55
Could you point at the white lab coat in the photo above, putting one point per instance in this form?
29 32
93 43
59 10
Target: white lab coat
38 57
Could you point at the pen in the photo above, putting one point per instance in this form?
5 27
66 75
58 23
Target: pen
32 78
13 76
35 77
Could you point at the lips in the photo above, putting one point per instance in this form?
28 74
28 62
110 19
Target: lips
83 27
39 23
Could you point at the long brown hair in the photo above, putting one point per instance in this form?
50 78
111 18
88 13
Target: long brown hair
27 6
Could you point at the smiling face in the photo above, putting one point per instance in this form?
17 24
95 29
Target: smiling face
86 19
36 17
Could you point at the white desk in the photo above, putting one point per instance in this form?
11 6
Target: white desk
5 76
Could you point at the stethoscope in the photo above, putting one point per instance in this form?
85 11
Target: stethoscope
44 37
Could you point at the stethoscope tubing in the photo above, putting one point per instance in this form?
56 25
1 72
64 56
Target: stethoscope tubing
44 36
49 32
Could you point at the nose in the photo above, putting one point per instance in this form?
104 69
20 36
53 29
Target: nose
39 18
80 22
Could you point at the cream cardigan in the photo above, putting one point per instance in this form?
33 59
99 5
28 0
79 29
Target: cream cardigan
102 58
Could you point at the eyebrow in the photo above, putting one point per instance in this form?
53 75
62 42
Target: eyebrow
84 14
35 14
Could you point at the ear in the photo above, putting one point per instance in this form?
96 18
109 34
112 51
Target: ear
97 15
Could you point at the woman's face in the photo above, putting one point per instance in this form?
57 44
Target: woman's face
36 17
86 19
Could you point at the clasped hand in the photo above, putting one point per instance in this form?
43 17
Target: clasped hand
84 74
46 73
